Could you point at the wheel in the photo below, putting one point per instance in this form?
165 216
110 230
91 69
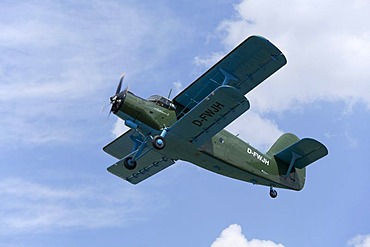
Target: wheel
273 193
158 142
129 163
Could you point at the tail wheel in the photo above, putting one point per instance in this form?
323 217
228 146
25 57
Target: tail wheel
129 163
273 193
158 142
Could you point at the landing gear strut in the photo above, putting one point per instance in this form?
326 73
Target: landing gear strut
140 143
273 193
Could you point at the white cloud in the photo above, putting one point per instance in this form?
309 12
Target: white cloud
60 64
233 236
178 87
360 241
326 43
251 127
119 128
208 61
29 207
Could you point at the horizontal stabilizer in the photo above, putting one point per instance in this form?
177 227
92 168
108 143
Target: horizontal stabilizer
302 153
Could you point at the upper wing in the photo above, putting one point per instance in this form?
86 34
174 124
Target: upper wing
149 164
243 68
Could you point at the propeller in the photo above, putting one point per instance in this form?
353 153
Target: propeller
118 98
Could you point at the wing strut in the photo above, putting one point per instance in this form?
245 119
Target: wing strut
138 149
228 77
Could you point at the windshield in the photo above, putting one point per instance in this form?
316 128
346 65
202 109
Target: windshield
162 101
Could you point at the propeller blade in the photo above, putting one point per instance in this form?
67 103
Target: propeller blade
120 84
104 107
125 91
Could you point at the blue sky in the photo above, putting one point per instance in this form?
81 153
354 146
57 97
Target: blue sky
60 62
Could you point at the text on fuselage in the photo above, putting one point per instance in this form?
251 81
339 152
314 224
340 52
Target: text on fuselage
208 113
258 156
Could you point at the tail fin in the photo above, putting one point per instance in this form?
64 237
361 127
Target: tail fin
283 142
293 155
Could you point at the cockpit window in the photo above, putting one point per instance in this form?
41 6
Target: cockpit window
162 101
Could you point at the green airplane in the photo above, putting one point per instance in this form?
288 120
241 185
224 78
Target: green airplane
191 126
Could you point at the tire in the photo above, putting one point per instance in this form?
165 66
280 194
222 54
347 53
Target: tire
158 142
129 164
273 193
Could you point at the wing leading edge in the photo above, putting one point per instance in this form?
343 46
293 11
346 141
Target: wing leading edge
244 68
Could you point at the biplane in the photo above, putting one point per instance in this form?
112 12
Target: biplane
190 127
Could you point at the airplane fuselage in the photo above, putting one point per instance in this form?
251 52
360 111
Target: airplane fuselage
224 153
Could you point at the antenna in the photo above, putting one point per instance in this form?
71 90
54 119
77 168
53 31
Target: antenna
169 94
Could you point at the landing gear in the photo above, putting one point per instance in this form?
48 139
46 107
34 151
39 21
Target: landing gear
273 193
141 148
158 142
129 163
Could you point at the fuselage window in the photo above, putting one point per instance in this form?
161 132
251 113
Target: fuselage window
162 101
